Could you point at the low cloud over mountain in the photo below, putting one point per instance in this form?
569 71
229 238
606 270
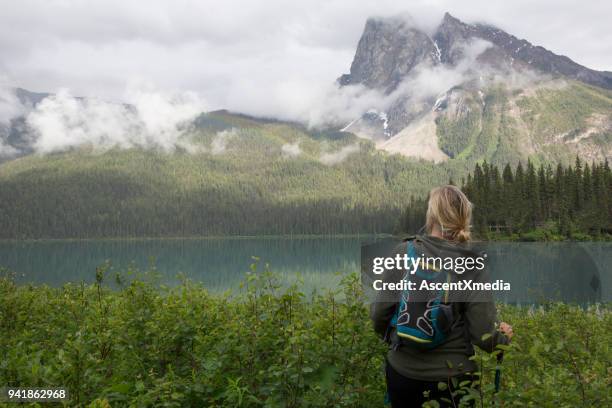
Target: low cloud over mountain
432 91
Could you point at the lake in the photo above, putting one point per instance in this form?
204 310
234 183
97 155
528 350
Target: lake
566 271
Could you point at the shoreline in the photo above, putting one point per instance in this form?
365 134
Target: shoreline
286 236
201 237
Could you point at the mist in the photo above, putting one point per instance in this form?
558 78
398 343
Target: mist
10 106
291 150
154 118
150 119
332 158
221 140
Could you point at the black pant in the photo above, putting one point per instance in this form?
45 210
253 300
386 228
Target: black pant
406 392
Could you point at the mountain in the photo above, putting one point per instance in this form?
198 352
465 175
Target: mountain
514 51
476 92
448 99
390 48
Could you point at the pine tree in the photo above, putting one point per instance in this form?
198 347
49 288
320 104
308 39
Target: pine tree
577 186
532 195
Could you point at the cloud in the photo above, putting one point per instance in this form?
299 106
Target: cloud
152 120
428 81
262 57
331 159
325 104
7 151
417 92
220 141
291 149
245 55
10 106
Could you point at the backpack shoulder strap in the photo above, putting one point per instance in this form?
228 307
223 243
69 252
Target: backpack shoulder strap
390 335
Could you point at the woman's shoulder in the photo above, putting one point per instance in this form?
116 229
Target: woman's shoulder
445 247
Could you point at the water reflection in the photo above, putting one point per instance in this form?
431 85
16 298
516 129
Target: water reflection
217 263
578 272
567 271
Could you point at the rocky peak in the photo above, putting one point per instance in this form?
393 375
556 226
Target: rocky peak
450 33
390 48
387 51
539 58
427 121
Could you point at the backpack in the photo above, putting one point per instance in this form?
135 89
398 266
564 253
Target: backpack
425 323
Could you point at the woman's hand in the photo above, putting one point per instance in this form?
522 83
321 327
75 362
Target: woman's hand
506 329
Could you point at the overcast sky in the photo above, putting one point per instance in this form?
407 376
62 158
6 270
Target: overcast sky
248 55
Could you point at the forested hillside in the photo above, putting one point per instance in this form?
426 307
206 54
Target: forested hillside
236 175
543 202
239 177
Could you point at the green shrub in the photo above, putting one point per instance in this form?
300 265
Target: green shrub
267 345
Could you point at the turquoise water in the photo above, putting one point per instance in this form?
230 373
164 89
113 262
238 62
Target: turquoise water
536 271
219 263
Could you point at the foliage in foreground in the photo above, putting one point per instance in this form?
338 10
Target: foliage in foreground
269 346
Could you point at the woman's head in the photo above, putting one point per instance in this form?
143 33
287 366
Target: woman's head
450 212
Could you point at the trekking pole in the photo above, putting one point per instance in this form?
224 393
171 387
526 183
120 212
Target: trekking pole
500 359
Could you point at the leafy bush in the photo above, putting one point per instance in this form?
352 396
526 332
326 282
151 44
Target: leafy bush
268 345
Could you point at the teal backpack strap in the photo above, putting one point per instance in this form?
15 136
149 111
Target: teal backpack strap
411 250
392 337
396 341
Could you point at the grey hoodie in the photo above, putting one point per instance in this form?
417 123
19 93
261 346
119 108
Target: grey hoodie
475 316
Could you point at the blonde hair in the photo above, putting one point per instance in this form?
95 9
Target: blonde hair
451 211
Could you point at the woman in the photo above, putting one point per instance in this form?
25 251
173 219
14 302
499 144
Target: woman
413 373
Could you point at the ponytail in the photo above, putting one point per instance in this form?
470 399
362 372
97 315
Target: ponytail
450 209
